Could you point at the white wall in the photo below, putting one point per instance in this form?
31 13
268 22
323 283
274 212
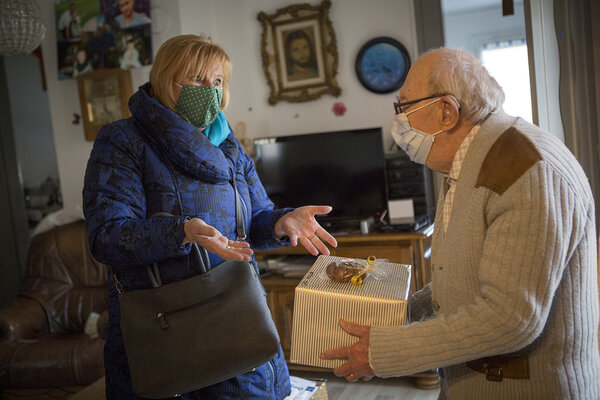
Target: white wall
233 24
72 150
32 124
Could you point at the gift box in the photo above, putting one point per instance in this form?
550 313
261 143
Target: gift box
319 303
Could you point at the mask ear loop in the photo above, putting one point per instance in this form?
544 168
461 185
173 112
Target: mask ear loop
456 103
435 134
418 108
424 105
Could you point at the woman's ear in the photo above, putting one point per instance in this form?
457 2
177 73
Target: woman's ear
450 114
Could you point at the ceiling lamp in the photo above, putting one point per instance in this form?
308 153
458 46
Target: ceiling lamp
22 27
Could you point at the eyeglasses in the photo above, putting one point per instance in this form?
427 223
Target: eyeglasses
398 106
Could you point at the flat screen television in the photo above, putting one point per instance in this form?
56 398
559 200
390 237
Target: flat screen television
343 169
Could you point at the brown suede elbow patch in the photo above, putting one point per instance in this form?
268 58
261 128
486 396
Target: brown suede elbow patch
508 159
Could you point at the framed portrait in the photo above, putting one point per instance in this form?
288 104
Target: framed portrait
103 95
299 53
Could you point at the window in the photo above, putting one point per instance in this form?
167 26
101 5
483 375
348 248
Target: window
507 62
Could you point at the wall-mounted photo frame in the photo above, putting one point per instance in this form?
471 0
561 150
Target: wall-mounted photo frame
103 95
299 53
102 34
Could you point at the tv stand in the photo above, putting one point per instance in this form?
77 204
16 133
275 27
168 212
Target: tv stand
400 247
342 227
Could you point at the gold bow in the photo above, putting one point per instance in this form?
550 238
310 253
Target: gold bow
358 278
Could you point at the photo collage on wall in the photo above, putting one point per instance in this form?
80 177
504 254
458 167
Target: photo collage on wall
101 34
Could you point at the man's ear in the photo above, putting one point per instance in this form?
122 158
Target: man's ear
450 114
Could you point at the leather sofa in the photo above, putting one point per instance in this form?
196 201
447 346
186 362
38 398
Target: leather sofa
42 338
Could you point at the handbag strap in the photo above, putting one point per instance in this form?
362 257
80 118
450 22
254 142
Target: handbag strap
200 252
240 229
201 256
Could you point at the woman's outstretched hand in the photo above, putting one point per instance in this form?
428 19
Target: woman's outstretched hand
302 228
207 236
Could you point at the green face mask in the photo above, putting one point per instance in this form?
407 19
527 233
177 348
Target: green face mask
199 105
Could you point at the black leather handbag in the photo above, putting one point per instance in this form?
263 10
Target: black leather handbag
193 333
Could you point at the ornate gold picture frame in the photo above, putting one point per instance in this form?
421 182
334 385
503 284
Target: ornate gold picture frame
103 95
299 53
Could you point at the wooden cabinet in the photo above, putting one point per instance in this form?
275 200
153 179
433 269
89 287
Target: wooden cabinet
412 248
280 296
405 248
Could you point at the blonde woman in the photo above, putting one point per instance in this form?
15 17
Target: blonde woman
178 154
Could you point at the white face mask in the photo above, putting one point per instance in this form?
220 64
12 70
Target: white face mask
414 142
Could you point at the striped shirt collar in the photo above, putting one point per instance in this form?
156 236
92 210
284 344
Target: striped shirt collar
459 157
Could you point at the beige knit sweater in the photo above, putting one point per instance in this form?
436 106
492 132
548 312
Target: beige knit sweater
515 271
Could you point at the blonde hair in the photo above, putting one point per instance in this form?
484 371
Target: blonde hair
458 72
183 57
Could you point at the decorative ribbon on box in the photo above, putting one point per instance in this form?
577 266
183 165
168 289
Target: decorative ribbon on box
319 303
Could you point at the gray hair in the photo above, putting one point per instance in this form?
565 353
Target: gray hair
459 73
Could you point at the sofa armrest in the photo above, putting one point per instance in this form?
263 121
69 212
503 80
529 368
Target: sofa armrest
23 318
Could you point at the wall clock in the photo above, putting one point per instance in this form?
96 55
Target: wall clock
382 64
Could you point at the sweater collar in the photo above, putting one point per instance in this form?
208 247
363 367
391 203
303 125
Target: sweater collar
180 143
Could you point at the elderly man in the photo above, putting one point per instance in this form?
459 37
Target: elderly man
512 309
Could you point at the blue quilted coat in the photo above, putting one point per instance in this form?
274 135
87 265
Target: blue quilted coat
157 162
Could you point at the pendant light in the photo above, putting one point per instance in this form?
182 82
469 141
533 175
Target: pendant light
22 27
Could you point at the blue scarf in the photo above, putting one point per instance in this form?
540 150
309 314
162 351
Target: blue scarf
218 131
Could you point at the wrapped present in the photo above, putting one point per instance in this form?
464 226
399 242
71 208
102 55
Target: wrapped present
320 302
